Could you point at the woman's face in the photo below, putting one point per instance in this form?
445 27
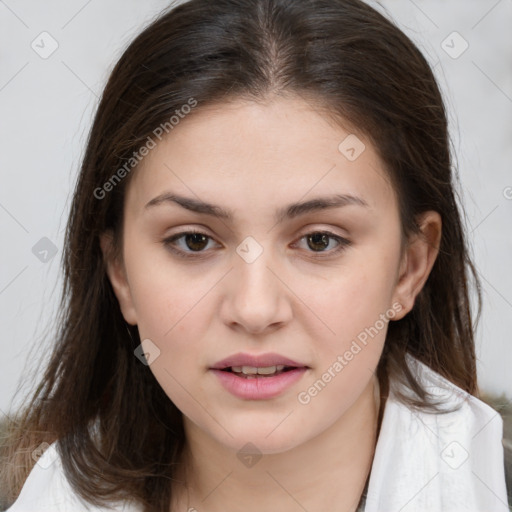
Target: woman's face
263 279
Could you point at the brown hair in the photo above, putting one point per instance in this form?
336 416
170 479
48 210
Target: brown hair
341 54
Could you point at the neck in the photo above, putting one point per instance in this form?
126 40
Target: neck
331 468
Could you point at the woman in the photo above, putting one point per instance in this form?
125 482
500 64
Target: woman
266 281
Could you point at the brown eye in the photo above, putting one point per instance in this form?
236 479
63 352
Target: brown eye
196 241
190 242
319 241
193 244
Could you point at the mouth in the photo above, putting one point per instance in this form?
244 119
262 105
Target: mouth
259 382
257 364
258 376
253 372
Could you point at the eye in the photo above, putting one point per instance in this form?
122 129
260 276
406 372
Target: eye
195 243
194 240
319 241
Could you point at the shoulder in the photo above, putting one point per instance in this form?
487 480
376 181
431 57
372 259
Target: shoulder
47 489
463 419
455 400
449 461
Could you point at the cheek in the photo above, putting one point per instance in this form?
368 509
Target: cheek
355 314
350 300
165 294
169 312
173 326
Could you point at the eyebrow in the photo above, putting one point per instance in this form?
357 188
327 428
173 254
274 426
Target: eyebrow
291 211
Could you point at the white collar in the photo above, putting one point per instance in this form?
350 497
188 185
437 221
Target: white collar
450 462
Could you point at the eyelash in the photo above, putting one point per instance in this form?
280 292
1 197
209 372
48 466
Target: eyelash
343 243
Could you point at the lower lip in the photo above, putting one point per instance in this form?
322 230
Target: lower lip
259 388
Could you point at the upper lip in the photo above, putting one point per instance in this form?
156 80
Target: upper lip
257 361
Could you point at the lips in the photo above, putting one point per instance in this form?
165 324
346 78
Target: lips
258 377
257 361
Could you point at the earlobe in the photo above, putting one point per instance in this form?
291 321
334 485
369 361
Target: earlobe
117 276
418 260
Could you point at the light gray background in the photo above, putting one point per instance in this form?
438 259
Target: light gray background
46 107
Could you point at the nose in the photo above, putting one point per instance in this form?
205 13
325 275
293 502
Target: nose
257 297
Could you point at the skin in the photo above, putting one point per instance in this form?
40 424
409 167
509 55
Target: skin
294 299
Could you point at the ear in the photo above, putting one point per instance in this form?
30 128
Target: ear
417 261
117 276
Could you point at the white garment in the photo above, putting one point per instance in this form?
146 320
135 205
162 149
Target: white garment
423 462
452 462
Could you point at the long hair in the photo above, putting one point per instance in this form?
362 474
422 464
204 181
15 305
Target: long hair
341 55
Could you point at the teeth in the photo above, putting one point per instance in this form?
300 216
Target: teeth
252 370
269 370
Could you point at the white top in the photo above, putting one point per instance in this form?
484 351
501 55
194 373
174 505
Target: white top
423 462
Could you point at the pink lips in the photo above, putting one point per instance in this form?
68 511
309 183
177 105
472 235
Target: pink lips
258 387
258 361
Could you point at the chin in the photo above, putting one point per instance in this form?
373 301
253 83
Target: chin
246 435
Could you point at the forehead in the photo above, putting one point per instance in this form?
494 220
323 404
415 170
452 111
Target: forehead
245 154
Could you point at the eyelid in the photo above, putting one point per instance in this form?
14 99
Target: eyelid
168 242
343 242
